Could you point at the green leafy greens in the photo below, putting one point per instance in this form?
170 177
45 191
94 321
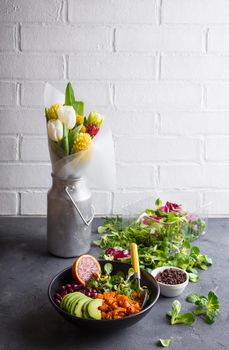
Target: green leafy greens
165 342
208 306
118 282
178 318
155 246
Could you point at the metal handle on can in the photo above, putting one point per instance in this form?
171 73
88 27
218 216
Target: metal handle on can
78 210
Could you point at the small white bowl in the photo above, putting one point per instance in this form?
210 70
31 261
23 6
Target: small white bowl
170 290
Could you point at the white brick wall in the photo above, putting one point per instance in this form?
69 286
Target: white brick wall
159 71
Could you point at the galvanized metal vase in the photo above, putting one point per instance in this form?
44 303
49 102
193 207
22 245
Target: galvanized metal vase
69 217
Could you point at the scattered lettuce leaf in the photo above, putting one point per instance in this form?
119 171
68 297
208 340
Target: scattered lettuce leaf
178 318
208 306
165 342
193 277
108 268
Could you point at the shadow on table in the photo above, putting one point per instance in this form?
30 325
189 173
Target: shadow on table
46 330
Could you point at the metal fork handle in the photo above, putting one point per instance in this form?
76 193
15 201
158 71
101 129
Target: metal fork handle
87 222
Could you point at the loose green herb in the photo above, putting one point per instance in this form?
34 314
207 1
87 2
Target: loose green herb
208 306
108 268
193 277
177 318
154 245
165 342
118 282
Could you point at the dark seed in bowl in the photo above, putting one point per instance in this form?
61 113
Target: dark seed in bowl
171 276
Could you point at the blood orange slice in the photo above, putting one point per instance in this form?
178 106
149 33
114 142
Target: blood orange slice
84 268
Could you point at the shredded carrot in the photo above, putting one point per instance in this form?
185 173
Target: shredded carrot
118 305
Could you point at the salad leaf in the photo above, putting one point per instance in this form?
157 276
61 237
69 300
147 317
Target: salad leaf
158 202
177 318
108 268
118 282
165 342
193 277
192 298
208 306
154 245
160 235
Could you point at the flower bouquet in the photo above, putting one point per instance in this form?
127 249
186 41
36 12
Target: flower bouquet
81 151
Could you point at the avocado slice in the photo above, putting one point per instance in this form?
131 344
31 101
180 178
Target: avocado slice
78 312
69 298
68 301
64 301
84 309
72 301
93 309
73 305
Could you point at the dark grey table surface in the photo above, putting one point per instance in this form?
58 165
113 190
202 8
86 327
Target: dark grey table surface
28 321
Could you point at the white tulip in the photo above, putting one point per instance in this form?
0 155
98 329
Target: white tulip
67 115
55 130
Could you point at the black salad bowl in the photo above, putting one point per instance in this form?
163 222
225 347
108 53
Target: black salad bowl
65 277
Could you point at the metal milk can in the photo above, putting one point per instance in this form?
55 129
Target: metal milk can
69 218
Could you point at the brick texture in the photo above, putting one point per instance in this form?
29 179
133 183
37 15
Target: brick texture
107 11
195 68
146 149
194 123
9 148
125 66
7 37
30 11
8 203
158 96
159 72
37 38
31 66
7 94
150 39
195 11
33 203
